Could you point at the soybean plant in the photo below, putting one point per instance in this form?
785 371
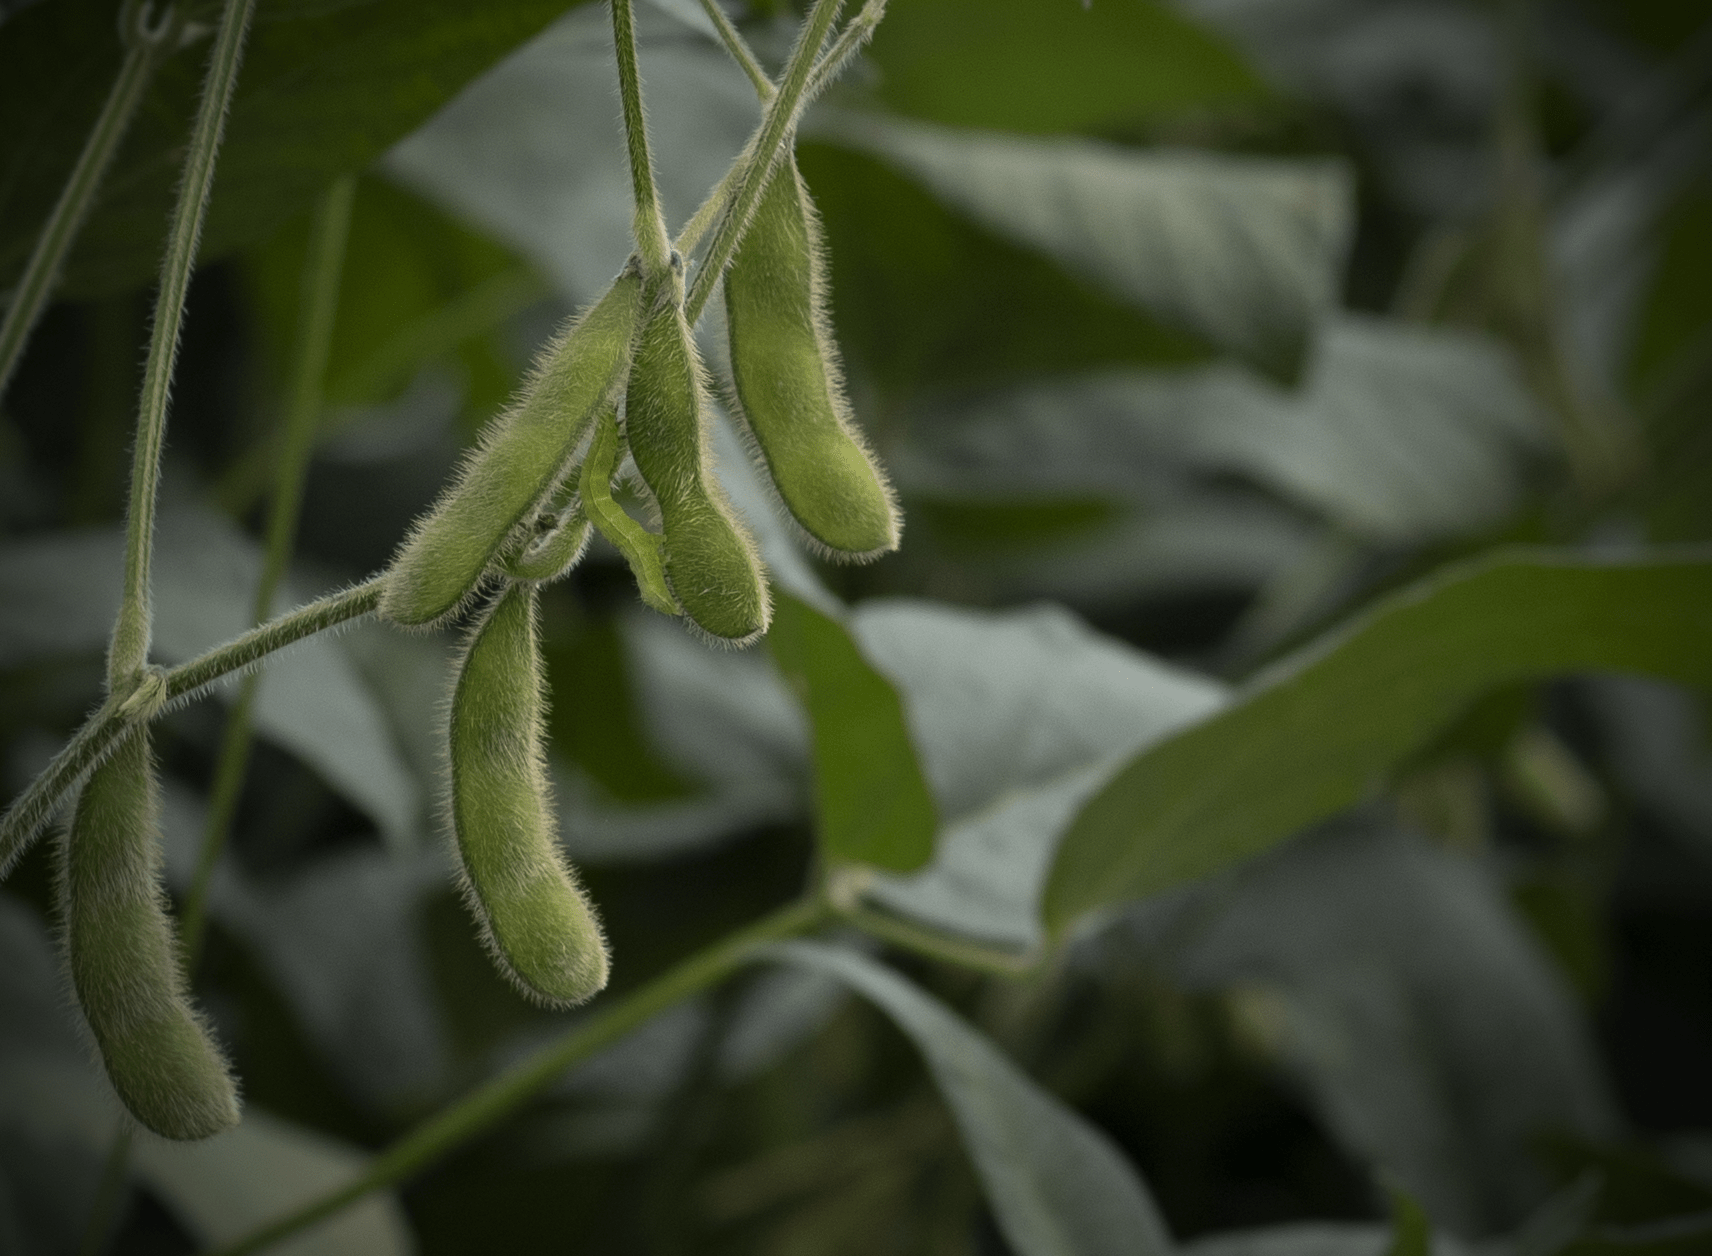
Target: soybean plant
622 387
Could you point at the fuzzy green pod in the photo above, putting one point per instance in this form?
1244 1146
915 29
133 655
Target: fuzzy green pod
124 957
640 547
788 386
534 917
558 545
711 562
521 458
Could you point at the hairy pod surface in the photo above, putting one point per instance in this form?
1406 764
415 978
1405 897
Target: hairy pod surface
534 917
789 388
521 458
640 547
124 957
710 561
554 551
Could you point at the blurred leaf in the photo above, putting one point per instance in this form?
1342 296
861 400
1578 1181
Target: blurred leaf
1053 65
534 154
416 287
1676 310
1435 1039
1398 433
1323 727
1017 717
1656 740
1246 252
341 939
58 595
325 89
1056 1185
220 1188
871 804
1412 1233
924 296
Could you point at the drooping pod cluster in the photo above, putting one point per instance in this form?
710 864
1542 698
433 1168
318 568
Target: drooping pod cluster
124 957
625 388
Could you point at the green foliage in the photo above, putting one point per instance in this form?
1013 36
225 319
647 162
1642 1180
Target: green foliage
1373 694
871 804
1190 962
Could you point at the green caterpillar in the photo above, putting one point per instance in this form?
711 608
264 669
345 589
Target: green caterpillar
784 365
711 563
534 917
124 957
521 458
640 547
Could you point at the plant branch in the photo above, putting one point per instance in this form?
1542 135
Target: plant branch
763 150
850 40
502 1095
323 266
650 225
739 50
131 631
938 946
146 47
110 724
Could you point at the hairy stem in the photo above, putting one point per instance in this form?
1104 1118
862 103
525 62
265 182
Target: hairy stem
146 47
652 245
131 631
323 265
739 50
109 725
763 150
849 42
500 1096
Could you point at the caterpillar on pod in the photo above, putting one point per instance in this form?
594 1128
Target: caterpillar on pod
521 458
787 384
534 917
710 560
124 956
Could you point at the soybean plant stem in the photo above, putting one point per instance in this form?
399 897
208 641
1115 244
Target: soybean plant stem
849 42
323 265
131 631
763 150
500 1096
739 50
145 48
102 731
652 245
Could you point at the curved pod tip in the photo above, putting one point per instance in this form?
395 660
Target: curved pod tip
124 958
788 385
535 919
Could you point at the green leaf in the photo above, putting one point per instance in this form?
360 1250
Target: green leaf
1042 66
871 804
922 295
1418 1016
1398 433
1018 717
1324 727
1056 1185
325 89
1247 252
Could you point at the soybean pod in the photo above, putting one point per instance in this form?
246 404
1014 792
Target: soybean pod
640 547
557 547
534 917
788 387
522 457
124 958
710 562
